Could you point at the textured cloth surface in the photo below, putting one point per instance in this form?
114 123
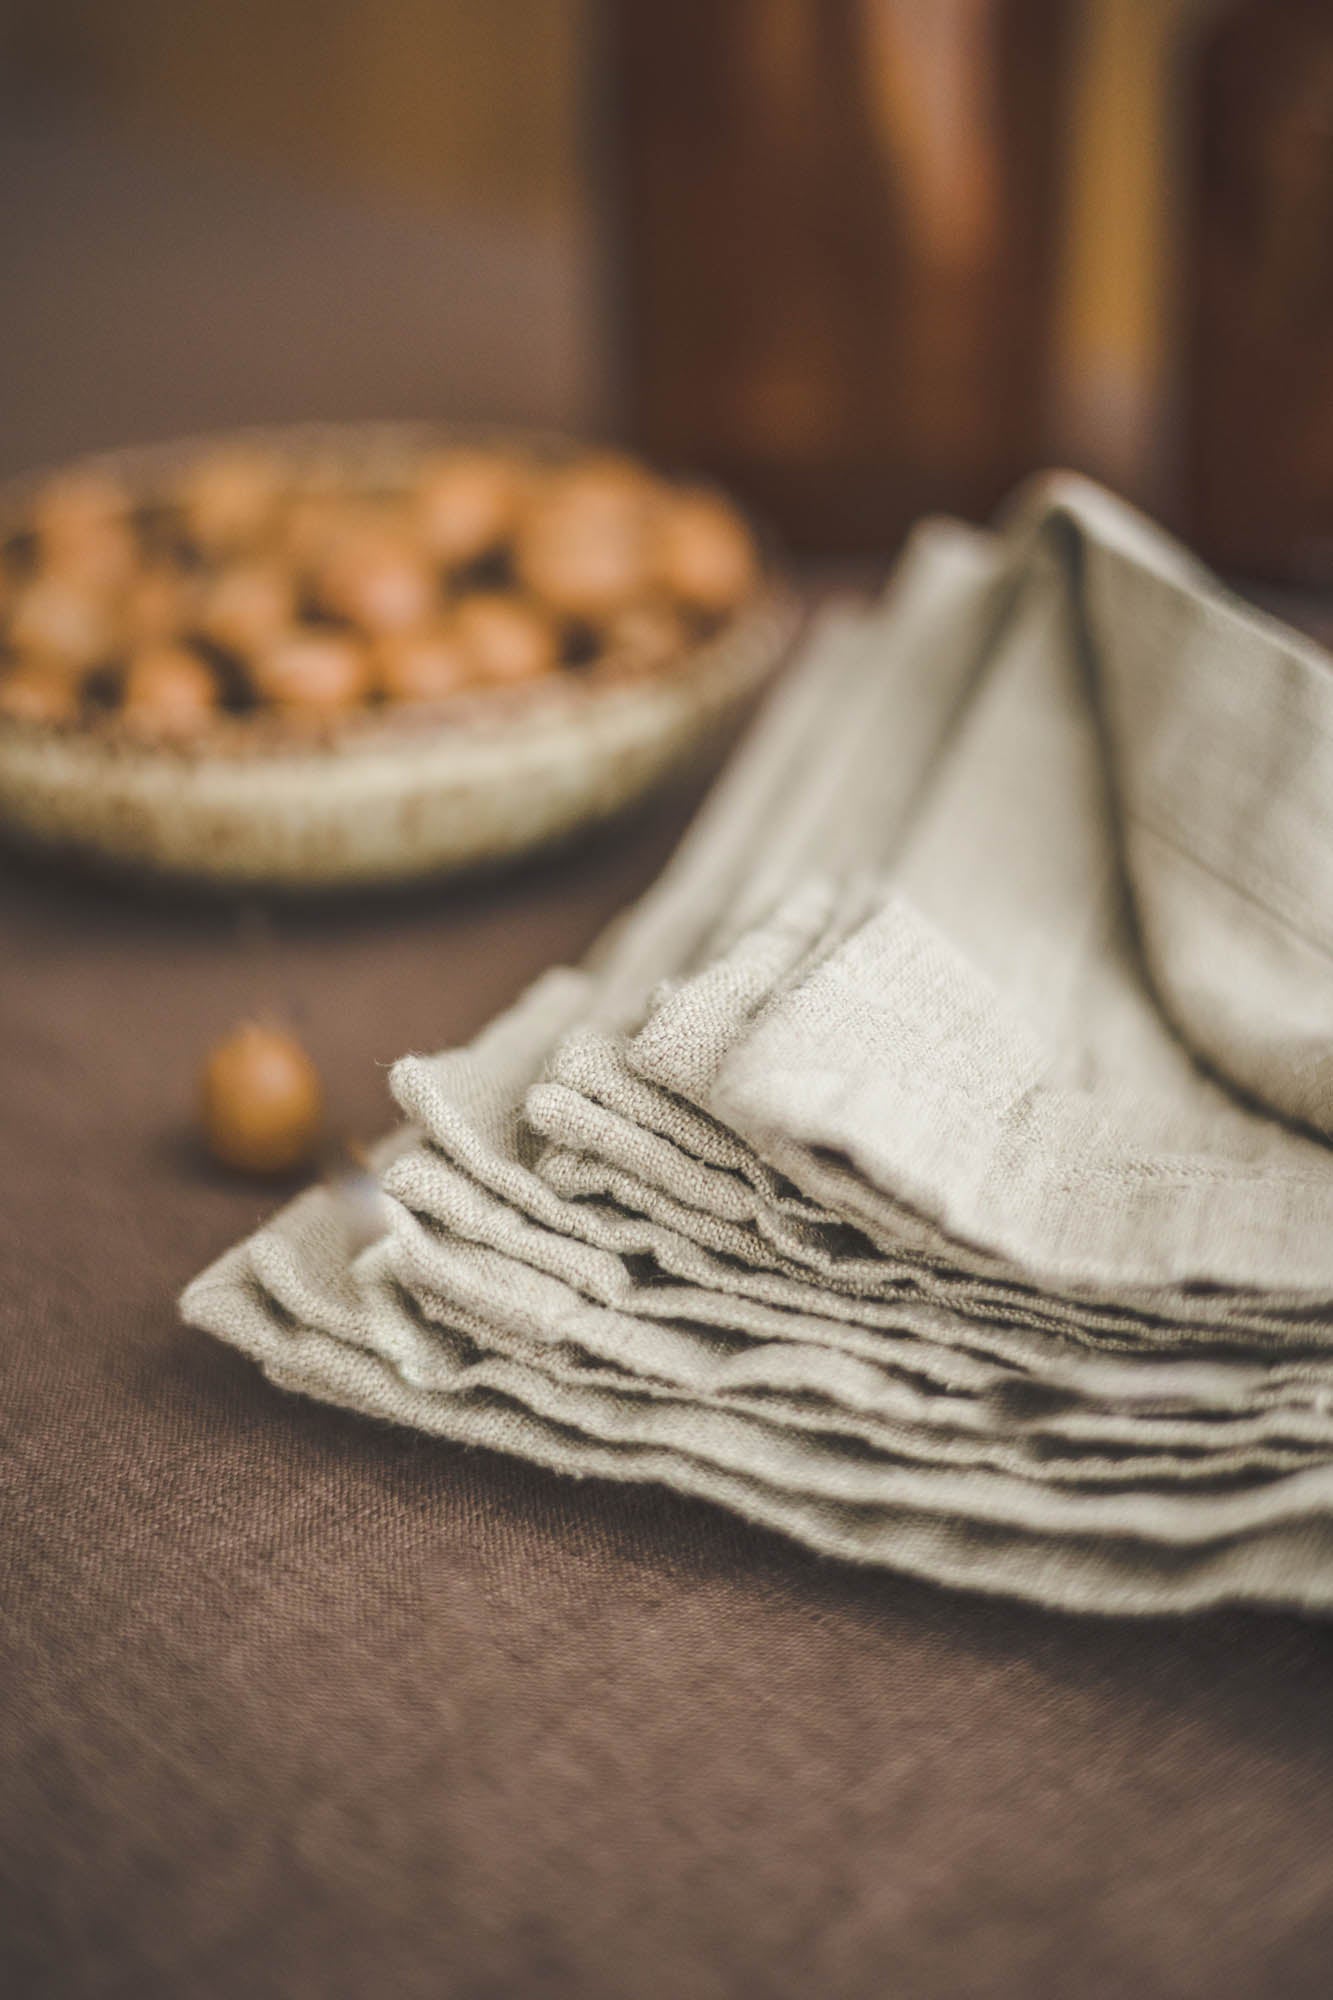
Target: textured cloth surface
303 1707
935 1165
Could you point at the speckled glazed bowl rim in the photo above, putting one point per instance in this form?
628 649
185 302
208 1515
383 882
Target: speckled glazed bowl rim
392 794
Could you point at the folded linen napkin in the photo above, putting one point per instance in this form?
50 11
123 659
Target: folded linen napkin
936 1165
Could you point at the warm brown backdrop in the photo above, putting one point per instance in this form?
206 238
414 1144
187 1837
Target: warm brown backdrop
473 101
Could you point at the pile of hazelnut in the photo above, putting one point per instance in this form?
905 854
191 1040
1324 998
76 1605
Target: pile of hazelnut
251 588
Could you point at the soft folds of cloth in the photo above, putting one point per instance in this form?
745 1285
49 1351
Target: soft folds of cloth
937 1165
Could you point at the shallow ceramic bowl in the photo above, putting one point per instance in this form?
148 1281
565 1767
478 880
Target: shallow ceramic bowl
392 794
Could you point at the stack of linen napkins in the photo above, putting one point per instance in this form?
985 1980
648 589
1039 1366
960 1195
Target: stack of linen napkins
937 1165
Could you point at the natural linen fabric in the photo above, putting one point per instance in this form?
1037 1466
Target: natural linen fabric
936 1165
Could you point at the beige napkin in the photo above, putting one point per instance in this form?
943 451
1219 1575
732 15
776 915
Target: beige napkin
935 1165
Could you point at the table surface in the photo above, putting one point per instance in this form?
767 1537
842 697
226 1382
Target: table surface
299 1705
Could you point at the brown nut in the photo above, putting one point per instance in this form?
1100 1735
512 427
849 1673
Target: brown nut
228 497
100 559
705 555
587 559
35 692
167 691
467 503
158 605
429 665
247 606
311 526
604 479
645 636
60 620
316 672
506 639
261 1103
377 581
73 506
584 546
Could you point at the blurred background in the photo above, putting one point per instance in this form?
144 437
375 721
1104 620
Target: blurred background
857 257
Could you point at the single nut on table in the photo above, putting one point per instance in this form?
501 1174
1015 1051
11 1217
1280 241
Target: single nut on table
429 665
320 673
704 554
261 1102
167 691
467 503
506 639
33 691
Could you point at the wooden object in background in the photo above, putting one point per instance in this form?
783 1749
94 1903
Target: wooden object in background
838 235
1259 377
1112 407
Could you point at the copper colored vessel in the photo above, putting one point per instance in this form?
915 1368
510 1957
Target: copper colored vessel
838 239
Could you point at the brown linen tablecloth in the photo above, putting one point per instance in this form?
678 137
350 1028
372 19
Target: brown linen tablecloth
297 1705
292 1705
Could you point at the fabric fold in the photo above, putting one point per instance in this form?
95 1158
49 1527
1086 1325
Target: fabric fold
935 1165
